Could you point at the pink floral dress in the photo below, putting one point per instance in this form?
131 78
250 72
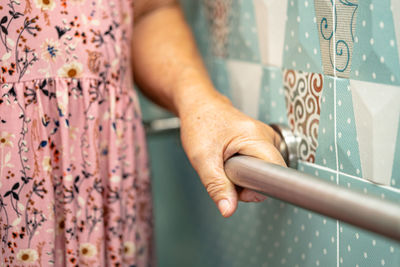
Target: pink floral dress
74 179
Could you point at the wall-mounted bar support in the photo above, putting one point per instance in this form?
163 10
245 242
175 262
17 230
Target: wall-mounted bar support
313 193
304 190
162 125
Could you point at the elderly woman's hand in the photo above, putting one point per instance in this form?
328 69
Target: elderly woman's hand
170 71
214 131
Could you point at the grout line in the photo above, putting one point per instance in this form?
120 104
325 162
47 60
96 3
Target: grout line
360 179
335 123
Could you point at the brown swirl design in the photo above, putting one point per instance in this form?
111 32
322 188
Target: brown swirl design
303 92
218 14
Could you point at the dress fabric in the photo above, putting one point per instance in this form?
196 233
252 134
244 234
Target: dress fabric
74 177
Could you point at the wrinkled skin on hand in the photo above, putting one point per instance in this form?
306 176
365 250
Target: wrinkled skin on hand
212 133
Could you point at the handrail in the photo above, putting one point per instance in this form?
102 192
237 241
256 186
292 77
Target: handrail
312 193
304 190
161 125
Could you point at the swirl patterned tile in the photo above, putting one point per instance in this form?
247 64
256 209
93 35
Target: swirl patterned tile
301 50
218 13
272 107
336 24
303 92
271 21
375 57
243 37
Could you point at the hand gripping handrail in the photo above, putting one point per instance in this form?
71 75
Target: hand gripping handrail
313 193
304 190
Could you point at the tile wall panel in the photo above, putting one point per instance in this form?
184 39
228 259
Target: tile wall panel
358 121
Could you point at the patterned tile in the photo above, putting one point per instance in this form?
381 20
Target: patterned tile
377 113
301 48
303 92
220 76
336 24
396 163
395 7
363 248
243 38
326 150
272 97
271 21
375 57
347 144
219 14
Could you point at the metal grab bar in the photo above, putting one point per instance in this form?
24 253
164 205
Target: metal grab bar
304 190
161 125
312 193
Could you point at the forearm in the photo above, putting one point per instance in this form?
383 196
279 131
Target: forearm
167 66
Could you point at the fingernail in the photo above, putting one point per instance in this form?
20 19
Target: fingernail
260 198
224 206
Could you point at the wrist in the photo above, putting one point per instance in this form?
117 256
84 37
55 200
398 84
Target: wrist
196 93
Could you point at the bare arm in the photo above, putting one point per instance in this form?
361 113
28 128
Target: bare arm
169 69
166 63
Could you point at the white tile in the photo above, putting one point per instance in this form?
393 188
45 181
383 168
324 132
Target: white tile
245 80
271 21
376 110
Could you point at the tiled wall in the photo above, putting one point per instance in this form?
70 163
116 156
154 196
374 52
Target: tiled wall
331 70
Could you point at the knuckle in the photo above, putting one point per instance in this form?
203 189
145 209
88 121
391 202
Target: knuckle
215 187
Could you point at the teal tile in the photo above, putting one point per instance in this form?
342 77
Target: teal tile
272 233
395 182
275 233
347 144
326 150
358 247
315 170
243 39
375 56
302 50
272 107
219 75
368 188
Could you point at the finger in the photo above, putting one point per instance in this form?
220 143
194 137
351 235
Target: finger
248 195
218 186
262 150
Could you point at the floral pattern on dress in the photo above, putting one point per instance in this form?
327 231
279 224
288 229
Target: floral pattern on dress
74 176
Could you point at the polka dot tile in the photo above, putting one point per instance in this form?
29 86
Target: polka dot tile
348 152
301 48
395 182
326 150
375 57
195 16
272 107
363 248
219 75
243 39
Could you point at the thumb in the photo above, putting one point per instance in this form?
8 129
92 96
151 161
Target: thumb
221 190
263 150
